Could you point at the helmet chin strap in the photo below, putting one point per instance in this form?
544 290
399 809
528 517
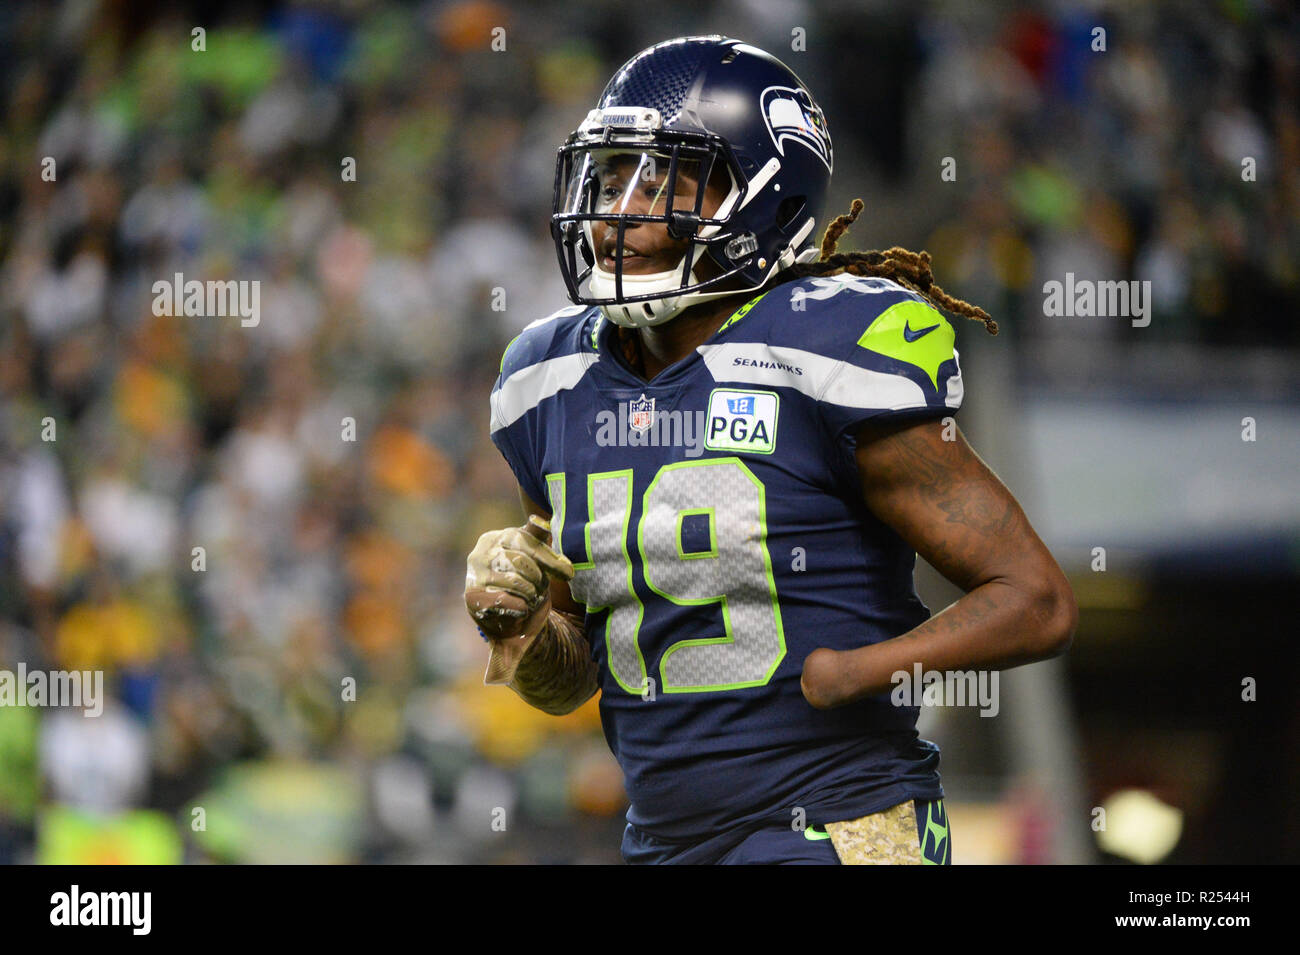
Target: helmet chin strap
640 314
659 311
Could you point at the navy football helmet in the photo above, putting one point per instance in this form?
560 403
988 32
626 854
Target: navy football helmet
678 119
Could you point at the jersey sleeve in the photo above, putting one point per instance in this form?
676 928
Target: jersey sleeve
887 354
540 361
518 462
510 433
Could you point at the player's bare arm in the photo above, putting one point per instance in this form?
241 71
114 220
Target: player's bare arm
945 502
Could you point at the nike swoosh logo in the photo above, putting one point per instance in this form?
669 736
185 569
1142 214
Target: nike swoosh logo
912 336
813 835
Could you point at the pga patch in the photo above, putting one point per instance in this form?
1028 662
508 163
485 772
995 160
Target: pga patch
742 421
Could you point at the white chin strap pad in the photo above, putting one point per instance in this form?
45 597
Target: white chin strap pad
641 314
658 311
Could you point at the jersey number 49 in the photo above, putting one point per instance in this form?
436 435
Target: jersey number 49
734 571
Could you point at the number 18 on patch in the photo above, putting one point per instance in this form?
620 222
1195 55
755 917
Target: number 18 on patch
742 421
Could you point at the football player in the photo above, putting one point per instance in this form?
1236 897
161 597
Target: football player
730 452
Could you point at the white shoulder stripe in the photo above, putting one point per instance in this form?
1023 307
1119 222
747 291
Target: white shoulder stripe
529 387
561 313
855 387
756 363
956 390
819 377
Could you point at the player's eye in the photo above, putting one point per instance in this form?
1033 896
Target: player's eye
611 192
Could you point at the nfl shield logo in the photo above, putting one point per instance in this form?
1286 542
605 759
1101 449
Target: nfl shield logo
642 412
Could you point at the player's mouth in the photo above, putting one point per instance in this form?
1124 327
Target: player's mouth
633 259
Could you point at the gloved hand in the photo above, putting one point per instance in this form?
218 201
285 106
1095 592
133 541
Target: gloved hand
507 587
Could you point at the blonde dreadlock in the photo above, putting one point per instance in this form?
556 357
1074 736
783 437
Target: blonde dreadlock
911 269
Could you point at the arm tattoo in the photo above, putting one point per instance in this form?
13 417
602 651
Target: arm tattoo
557 674
964 492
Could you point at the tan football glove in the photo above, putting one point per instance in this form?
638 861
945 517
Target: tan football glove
507 590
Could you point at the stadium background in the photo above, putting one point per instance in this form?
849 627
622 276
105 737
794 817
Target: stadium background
328 559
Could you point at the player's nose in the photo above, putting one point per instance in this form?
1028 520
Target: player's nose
635 205
607 236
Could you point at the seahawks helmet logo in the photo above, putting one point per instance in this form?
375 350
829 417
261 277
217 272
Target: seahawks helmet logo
791 114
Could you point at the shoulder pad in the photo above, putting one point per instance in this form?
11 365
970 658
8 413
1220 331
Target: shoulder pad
539 340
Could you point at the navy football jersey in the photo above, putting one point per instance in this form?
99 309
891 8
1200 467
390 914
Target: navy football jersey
715 521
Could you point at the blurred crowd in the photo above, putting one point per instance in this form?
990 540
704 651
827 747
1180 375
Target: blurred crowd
258 532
